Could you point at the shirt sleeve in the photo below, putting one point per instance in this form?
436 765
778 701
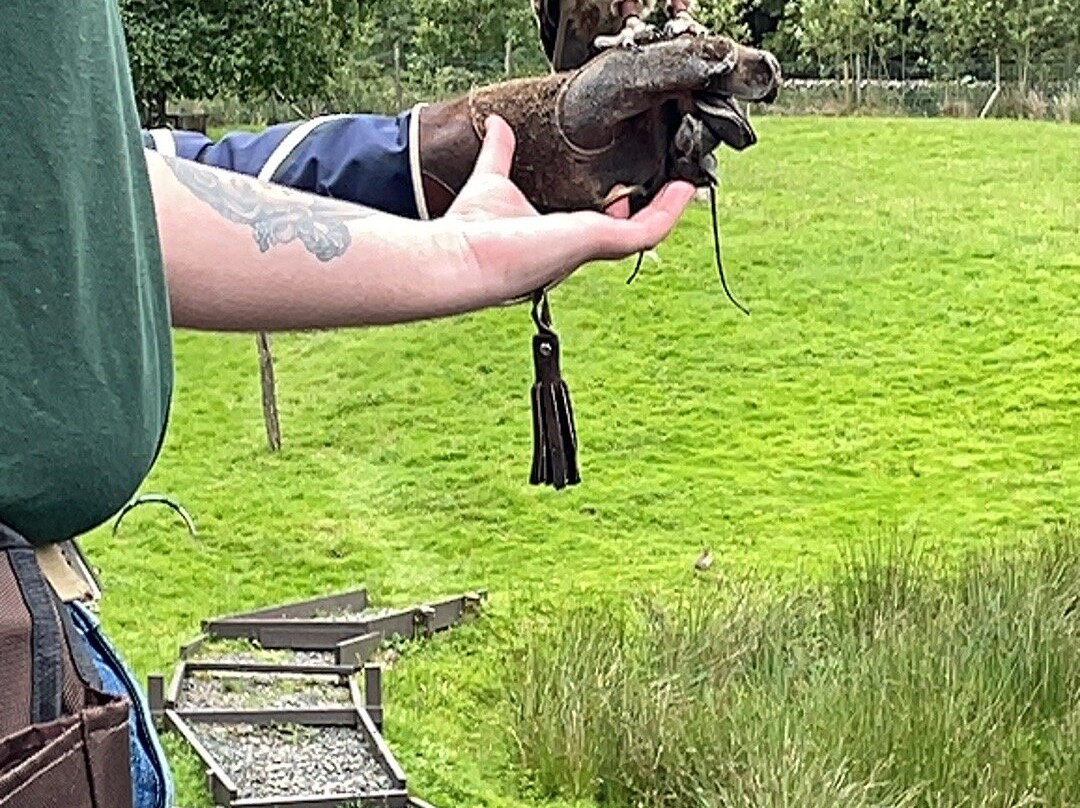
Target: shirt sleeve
368 159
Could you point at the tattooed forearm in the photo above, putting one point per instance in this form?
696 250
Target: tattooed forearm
276 215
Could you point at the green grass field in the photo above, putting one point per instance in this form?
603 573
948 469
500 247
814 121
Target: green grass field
911 365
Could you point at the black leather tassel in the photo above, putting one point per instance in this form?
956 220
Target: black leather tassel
554 435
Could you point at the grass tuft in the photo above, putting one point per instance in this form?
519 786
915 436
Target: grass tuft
891 683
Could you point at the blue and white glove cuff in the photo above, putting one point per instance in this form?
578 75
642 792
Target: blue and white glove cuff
371 160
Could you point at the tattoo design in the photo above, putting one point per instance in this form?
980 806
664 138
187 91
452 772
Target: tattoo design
275 214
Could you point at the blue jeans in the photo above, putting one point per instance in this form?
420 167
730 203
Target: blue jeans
152 781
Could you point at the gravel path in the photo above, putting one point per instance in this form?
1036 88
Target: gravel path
283 761
349 615
239 651
261 691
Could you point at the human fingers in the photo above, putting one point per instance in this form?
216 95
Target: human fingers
497 150
620 208
671 202
653 223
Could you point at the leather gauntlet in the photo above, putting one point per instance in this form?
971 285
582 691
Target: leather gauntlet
626 123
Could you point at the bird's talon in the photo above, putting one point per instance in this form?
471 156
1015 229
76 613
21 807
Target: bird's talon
681 24
631 37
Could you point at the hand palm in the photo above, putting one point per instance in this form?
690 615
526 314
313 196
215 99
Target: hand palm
516 249
490 196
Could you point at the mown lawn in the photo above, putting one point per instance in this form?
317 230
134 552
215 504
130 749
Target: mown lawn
911 365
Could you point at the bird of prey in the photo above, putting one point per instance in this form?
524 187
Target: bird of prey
573 31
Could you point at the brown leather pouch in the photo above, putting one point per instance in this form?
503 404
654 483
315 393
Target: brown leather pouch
64 743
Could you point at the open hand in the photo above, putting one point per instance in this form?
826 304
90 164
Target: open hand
516 250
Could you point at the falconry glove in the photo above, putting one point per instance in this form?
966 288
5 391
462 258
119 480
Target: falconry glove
622 125
626 123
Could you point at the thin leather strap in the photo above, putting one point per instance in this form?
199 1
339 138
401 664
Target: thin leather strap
80 656
46 643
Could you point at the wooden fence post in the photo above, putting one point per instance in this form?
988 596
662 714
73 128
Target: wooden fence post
847 85
858 79
269 391
997 87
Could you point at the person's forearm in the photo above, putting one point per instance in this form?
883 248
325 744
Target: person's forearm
245 255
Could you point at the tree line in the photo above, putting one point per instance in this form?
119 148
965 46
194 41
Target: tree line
293 49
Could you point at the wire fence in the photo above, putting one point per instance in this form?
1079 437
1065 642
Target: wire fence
965 98
391 81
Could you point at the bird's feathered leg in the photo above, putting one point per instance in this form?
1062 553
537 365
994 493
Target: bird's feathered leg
681 20
634 31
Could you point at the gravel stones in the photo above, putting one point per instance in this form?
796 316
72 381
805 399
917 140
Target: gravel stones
261 692
351 616
289 657
280 761
242 652
290 726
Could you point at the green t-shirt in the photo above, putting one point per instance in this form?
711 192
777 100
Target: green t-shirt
85 352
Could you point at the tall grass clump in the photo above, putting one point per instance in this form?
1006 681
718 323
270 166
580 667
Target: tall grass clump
892 683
